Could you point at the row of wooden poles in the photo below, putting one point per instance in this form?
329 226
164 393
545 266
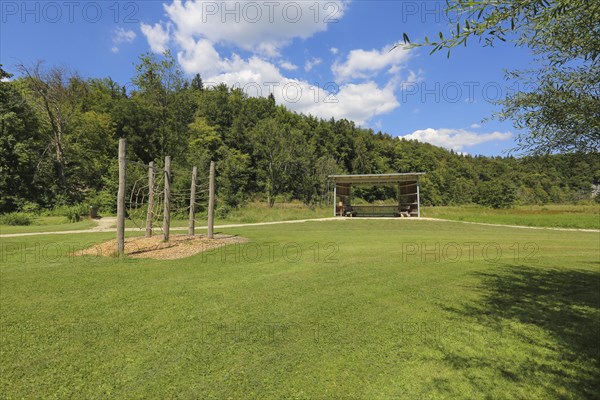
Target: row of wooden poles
167 199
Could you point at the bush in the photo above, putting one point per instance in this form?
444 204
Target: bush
29 208
16 219
73 213
77 212
104 200
223 211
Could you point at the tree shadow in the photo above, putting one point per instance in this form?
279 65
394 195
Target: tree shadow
563 304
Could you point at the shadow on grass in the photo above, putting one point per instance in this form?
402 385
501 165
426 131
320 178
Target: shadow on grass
564 305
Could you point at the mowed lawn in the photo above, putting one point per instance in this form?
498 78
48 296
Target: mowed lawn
319 310
551 215
48 224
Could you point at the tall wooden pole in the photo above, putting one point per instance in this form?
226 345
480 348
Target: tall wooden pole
150 213
418 201
211 201
334 199
167 194
192 225
121 199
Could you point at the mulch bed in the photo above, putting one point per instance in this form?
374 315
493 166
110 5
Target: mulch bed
178 246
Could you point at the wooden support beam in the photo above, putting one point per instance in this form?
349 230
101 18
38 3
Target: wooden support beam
150 212
334 199
121 198
167 200
211 201
191 225
418 201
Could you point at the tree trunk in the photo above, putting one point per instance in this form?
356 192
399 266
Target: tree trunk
60 162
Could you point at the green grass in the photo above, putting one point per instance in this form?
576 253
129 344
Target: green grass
369 316
48 224
252 213
564 216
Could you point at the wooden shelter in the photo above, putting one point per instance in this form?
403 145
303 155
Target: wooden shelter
409 202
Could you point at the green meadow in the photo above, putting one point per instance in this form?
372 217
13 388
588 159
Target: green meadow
549 216
335 309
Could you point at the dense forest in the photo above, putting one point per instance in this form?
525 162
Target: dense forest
59 135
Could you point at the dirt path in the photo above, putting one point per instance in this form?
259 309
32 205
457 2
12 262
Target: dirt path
107 224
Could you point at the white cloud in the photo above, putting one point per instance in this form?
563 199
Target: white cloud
200 57
120 36
394 70
260 27
157 36
366 63
258 77
455 139
310 64
195 28
475 126
288 65
123 36
334 50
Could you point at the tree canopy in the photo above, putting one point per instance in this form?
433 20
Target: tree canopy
559 106
263 150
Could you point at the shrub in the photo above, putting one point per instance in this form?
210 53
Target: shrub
76 212
29 208
16 219
223 211
73 213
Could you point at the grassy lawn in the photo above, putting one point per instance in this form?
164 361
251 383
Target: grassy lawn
565 216
325 310
254 212
48 224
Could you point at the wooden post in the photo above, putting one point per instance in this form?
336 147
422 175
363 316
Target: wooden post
334 199
418 201
121 199
211 201
191 225
400 199
167 200
150 213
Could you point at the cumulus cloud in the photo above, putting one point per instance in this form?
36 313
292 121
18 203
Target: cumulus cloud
288 66
334 50
196 29
475 126
121 36
365 63
310 64
455 139
260 27
157 36
257 77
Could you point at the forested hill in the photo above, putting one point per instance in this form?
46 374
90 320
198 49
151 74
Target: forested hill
59 137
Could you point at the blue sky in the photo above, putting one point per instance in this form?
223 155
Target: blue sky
330 58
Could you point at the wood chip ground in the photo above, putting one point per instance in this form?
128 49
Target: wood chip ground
179 246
